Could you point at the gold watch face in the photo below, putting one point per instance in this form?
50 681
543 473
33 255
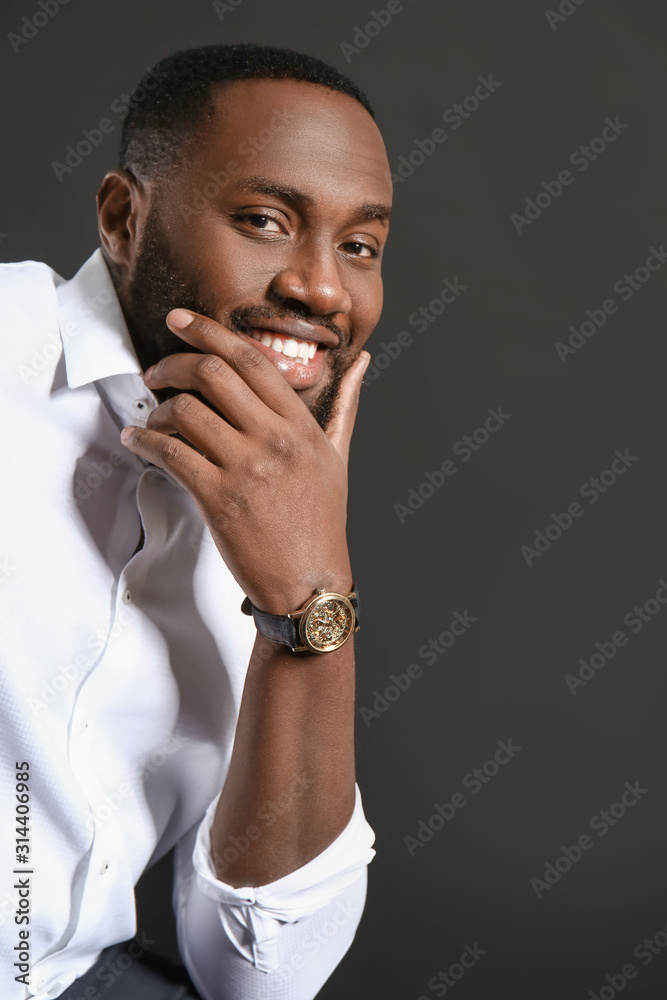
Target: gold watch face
327 623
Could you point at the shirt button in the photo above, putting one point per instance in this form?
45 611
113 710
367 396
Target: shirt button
141 405
127 597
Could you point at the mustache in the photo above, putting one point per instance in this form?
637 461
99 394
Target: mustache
238 319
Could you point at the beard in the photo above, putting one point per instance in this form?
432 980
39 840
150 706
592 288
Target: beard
161 283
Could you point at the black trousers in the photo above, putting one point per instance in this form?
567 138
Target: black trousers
129 972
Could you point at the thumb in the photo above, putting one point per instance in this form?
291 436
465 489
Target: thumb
341 424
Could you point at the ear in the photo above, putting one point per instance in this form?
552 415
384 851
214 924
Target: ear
121 204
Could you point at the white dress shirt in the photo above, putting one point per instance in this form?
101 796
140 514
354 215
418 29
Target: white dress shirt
121 673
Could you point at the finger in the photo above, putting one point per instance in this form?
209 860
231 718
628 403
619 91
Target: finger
341 424
189 469
251 366
216 381
198 424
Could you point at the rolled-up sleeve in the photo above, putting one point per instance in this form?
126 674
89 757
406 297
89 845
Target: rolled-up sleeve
282 940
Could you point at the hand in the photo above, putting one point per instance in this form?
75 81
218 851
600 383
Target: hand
270 484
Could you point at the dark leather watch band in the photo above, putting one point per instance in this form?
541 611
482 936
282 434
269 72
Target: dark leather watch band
282 628
277 628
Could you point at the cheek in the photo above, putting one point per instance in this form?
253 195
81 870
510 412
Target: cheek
236 269
224 273
367 300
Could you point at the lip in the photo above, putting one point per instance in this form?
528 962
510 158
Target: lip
298 328
296 375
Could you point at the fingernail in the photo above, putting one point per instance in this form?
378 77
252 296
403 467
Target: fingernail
363 360
126 434
148 373
179 318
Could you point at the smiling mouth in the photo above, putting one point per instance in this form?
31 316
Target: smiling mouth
302 363
302 351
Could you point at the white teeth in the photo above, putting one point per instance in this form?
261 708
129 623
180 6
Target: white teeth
302 351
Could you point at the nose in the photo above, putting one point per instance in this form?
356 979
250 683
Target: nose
312 280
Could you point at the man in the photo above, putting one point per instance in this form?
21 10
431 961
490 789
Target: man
220 327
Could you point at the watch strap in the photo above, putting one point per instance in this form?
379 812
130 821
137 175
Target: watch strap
277 628
284 628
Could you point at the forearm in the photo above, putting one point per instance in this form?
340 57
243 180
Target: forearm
290 787
271 485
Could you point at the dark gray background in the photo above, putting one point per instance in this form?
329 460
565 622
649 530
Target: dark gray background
461 550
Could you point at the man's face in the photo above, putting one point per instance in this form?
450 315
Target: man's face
277 216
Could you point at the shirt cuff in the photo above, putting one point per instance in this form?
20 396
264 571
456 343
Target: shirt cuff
259 910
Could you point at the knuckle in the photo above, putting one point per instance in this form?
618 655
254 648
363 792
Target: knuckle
170 450
208 329
182 403
209 366
280 446
248 358
259 468
140 436
238 504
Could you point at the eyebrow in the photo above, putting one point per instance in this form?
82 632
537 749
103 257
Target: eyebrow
264 185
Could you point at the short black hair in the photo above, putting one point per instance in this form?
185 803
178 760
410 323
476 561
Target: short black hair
175 96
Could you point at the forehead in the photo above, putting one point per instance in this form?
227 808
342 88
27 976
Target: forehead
299 134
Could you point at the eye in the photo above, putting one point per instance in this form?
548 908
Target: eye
359 248
263 222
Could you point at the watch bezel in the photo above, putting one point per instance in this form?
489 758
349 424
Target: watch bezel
306 612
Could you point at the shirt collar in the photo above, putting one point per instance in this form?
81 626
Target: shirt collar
96 341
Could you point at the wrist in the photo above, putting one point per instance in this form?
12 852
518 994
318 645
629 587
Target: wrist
322 624
289 596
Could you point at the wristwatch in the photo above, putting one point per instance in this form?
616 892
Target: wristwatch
324 623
